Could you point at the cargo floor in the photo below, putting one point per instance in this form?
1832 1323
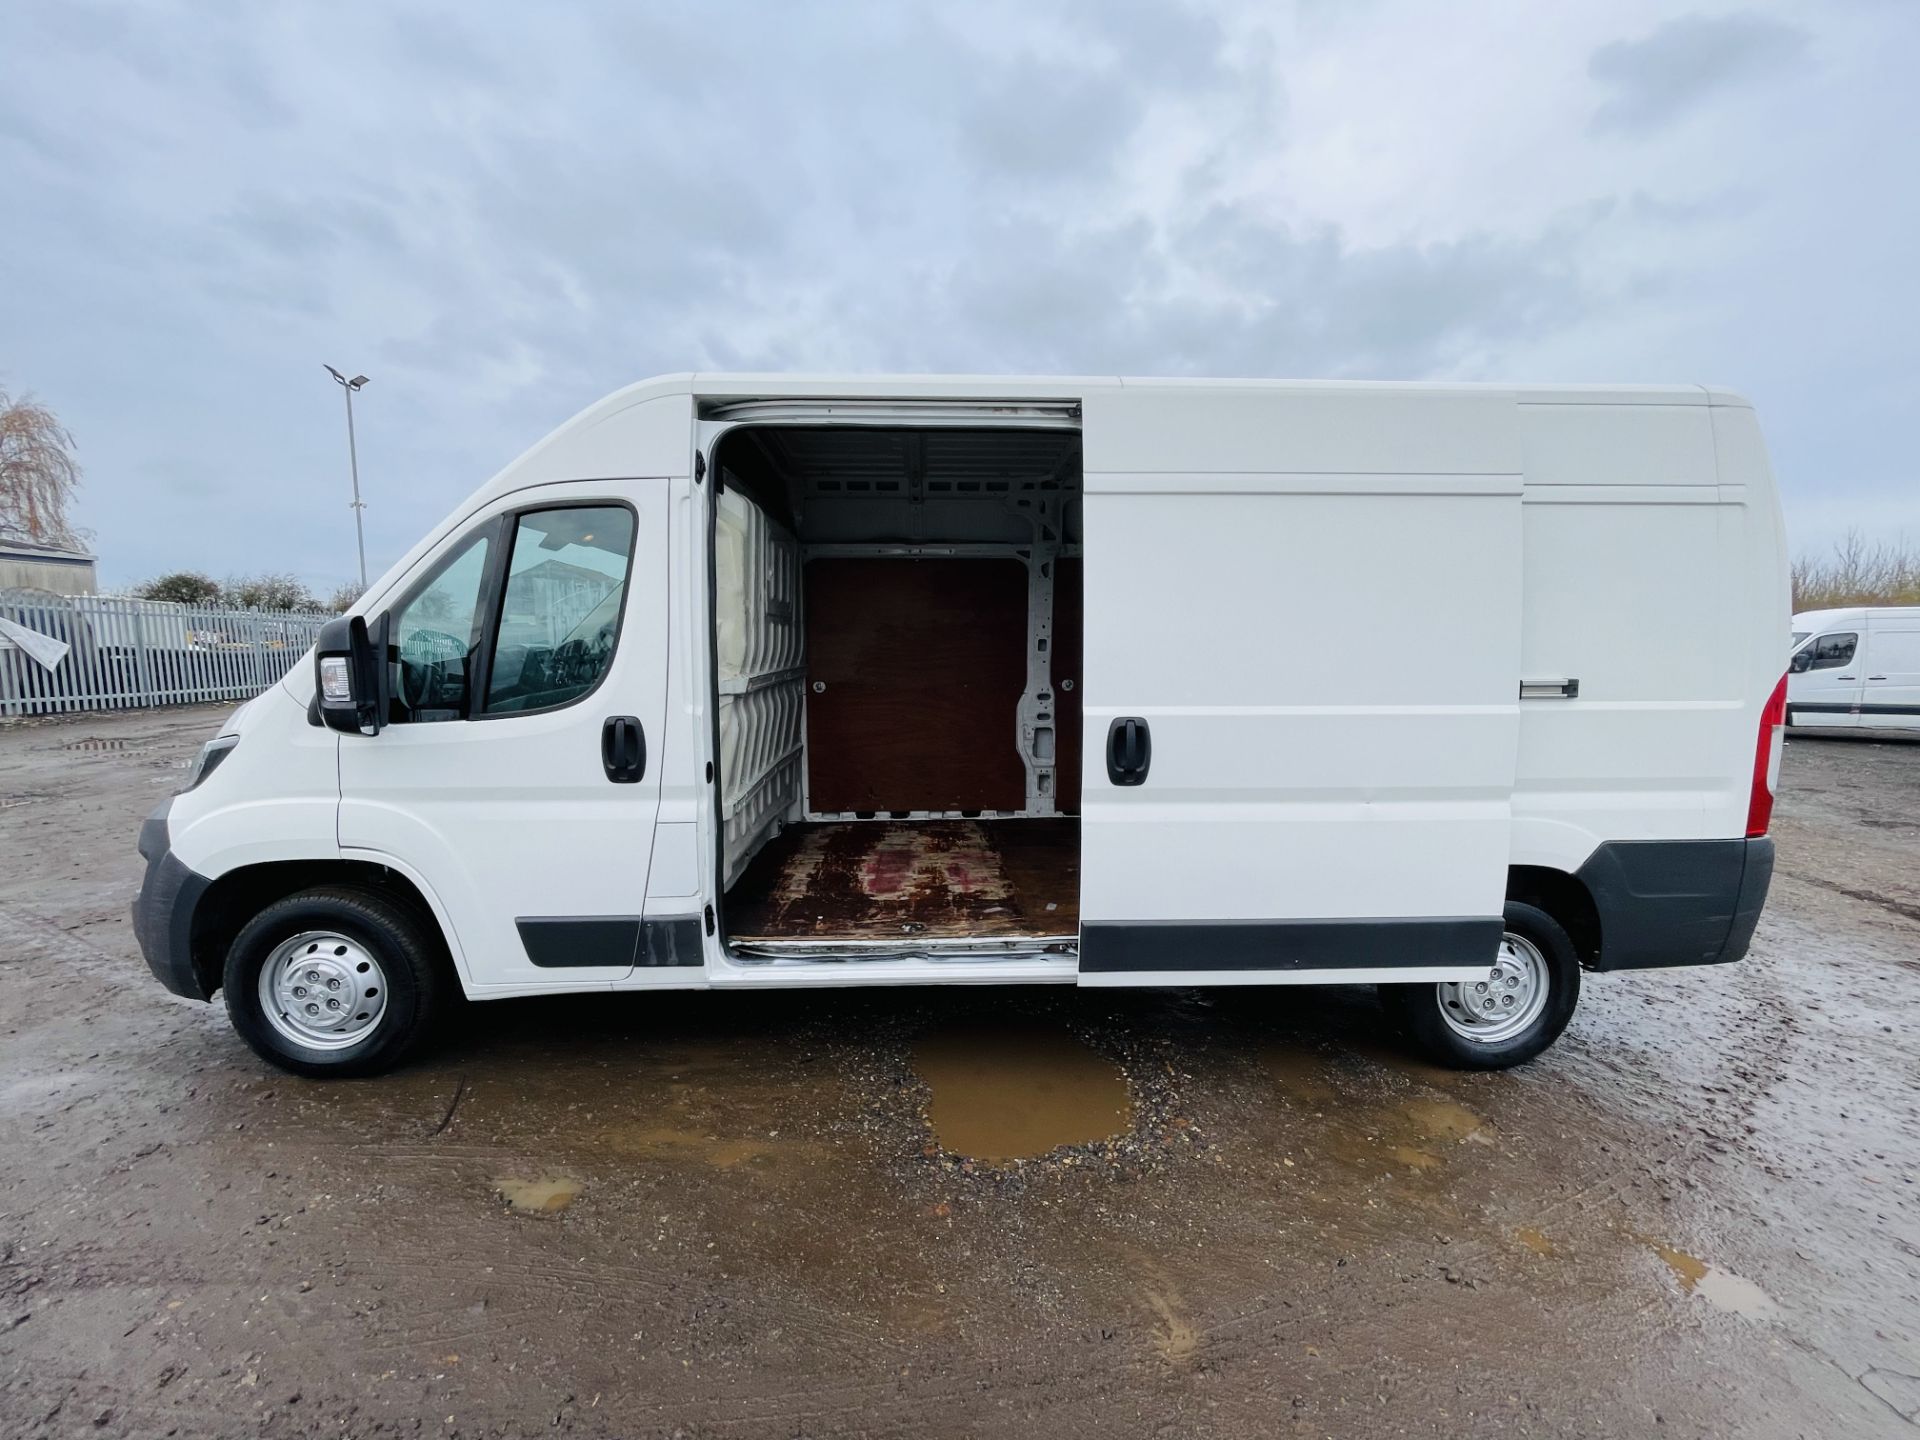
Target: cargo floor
918 879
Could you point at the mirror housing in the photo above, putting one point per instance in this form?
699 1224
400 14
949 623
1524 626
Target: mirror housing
347 679
1802 661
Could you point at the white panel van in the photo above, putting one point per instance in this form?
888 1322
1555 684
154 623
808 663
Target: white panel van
1855 669
745 681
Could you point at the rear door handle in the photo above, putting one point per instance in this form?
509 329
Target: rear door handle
623 749
1129 750
1876 677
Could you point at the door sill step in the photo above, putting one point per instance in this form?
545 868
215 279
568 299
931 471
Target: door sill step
760 950
895 969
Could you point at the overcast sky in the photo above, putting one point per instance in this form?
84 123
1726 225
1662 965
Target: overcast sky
502 212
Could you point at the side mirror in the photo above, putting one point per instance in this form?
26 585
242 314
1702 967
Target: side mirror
348 677
1802 661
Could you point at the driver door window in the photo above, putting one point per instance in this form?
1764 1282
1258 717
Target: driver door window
1830 652
435 639
560 612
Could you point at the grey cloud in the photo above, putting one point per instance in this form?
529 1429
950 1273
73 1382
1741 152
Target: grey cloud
502 214
1155 45
1037 116
1658 78
269 224
1720 205
443 46
1032 121
1228 292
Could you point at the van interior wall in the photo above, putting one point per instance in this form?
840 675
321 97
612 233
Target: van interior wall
897 628
758 654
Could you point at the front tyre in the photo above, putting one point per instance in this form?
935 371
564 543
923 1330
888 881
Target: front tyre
1518 1009
335 981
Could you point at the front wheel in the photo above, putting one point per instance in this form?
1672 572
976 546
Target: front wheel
335 982
1517 1010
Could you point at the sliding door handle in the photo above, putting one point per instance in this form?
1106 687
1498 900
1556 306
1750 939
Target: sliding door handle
1129 750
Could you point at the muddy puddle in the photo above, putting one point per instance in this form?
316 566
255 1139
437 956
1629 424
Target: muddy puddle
1363 1128
1413 1134
1015 1092
1719 1288
1303 1076
545 1196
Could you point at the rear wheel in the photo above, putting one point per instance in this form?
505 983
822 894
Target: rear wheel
1517 1010
335 982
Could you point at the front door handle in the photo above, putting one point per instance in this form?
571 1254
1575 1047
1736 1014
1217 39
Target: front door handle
623 749
1129 750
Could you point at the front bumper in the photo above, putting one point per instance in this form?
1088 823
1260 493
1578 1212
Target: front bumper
1677 902
163 911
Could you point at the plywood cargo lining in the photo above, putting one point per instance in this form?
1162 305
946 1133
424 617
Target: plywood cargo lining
911 880
915 670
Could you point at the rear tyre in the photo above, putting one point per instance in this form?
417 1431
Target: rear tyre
1518 1010
336 982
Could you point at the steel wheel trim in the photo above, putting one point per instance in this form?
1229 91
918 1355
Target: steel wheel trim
322 990
1504 1004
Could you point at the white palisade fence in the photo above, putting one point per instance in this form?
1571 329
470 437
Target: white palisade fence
126 654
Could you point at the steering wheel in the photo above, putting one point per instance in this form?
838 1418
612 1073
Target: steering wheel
423 680
572 665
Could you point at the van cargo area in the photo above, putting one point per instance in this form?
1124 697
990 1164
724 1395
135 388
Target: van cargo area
878 881
897 638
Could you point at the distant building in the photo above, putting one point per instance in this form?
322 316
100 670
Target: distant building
31 565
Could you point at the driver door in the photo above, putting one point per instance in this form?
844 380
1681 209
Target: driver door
1827 692
517 777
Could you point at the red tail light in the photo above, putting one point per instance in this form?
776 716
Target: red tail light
1766 761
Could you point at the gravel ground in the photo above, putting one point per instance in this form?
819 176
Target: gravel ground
737 1215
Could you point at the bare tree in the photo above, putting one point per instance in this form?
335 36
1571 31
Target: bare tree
38 474
268 592
343 597
1859 571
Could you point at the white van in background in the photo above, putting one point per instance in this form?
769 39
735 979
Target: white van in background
737 682
1855 669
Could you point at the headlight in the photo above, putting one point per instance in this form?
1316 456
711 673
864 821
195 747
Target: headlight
208 760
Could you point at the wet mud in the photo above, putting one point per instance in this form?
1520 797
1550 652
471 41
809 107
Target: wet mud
1006 1091
963 1211
1723 1291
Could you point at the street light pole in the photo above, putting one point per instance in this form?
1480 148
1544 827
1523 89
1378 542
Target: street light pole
353 462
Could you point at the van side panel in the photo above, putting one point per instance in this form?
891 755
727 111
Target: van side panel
1655 577
1645 580
1892 670
1327 662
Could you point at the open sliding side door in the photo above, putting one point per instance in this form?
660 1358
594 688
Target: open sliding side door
1301 683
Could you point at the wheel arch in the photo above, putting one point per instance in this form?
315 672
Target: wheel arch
234 898
1566 898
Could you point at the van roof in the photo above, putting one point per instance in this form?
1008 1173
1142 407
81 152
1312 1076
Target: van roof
747 385
1852 615
617 424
